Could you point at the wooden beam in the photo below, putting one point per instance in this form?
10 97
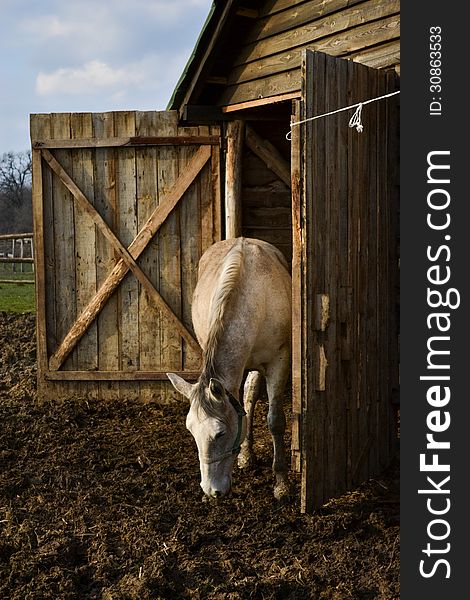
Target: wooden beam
39 267
250 13
233 178
260 102
269 155
6 259
116 375
125 142
17 281
296 355
16 236
167 204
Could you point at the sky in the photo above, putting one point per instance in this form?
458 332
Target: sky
90 56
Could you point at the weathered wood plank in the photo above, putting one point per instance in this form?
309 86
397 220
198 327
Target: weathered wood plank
341 253
64 240
216 191
294 16
264 89
370 11
45 284
128 293
113 378
39 244
170 249
273 6
84 229
105 204
151 319
378 57
296 358
127 142
190 221
233 178
269 155
206 206
261 102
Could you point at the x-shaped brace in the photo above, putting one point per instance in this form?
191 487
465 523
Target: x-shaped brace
128 256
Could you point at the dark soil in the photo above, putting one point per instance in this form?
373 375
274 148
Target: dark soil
102 501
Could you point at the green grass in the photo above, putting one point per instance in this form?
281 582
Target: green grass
14 297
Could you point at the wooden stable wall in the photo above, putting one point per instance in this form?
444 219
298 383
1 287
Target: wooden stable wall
267 63
125 204
266 194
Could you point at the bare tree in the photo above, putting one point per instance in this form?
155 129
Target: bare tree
15 176
15 192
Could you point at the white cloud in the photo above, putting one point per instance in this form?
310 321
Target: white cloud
87 79
96 77
73 33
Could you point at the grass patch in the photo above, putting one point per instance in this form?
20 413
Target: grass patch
17 298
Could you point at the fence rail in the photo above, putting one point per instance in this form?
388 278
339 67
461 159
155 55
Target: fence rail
16 236
16 249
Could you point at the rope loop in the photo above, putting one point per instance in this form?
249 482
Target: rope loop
356 119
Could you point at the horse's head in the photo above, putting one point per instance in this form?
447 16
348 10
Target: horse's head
215 419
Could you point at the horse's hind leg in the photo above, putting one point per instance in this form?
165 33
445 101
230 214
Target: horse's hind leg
251 391
276 379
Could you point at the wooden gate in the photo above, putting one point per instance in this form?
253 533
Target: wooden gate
345 211
124 206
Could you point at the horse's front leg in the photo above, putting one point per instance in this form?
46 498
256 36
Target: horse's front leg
276 379
251 391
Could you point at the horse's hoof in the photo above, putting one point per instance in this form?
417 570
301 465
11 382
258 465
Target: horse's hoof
281 492
245 461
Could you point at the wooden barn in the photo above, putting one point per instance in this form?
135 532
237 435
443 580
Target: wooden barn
125 203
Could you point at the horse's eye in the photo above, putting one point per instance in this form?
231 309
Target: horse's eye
219 435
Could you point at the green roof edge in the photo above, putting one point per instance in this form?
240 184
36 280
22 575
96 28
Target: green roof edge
179 88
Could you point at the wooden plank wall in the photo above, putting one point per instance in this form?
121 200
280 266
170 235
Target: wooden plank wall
349 279
268 61
266 200
124 185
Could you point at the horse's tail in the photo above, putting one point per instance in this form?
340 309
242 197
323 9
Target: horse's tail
228 279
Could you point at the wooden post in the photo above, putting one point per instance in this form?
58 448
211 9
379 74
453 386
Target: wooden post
233 178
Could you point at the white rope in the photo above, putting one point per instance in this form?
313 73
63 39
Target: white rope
355 120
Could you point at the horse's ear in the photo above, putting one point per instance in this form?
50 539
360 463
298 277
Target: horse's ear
216 389
180 385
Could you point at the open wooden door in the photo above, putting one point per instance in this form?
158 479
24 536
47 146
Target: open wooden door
124 206
345 265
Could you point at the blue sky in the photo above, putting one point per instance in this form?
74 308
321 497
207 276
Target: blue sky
90 55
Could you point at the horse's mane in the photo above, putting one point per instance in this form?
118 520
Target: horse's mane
228 279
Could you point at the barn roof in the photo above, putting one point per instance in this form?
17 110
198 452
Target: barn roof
217 23
251 49
193 61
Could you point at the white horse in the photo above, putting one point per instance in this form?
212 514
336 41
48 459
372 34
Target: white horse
241 314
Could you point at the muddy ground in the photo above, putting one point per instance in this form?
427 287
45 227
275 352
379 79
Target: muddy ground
101 501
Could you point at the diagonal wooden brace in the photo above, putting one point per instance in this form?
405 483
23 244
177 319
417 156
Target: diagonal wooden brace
128 255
